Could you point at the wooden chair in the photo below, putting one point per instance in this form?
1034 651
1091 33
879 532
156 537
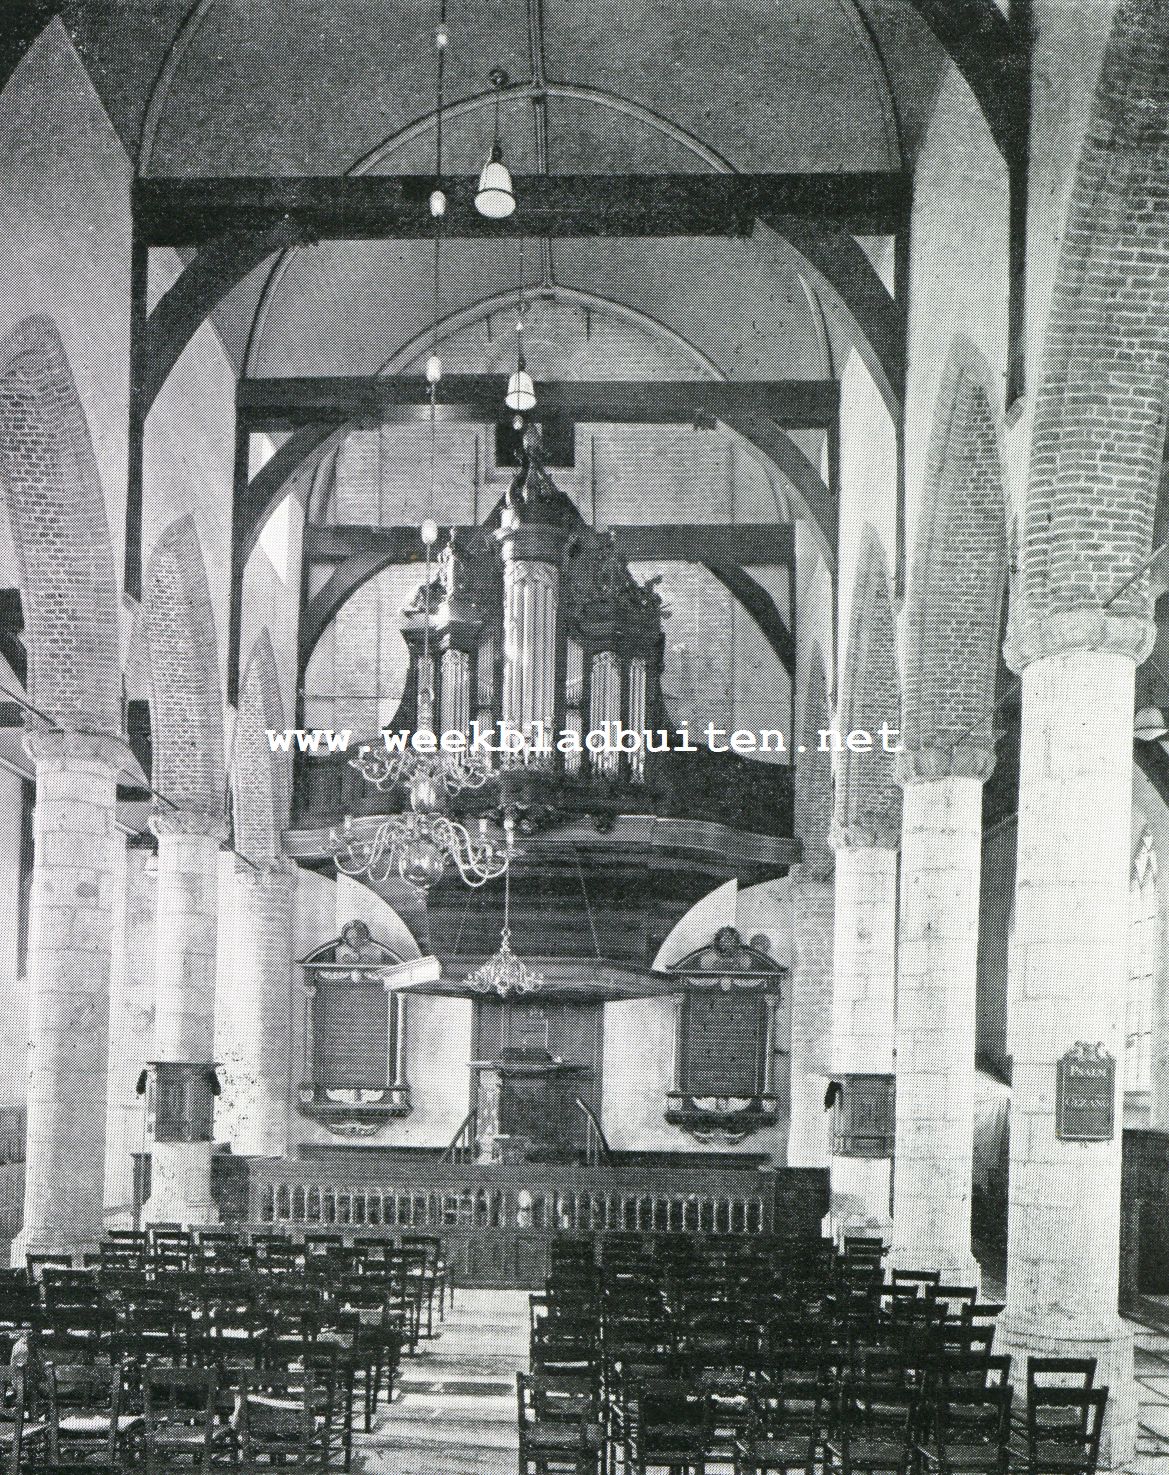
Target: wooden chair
1063 1428
28 1417
558 1431
284 1418
179 1421
788 1421
873 1428
91 1421
968 1432
668 1425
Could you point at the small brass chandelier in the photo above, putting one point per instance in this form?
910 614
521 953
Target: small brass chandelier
504 973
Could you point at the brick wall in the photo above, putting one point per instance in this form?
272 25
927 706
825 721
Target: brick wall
813 791
957 569
186 710
1099 423
868 796
260 779
57 515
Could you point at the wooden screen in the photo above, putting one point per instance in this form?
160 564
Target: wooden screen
351 1034
722 1044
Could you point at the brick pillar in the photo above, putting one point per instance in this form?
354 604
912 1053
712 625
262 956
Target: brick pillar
184 1001
68 981
810 1128
863 992
1068 983
256 1014
941 856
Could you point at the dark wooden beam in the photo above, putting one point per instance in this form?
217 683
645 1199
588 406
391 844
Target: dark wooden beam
755 543
191 212
12 646
288 404
762 608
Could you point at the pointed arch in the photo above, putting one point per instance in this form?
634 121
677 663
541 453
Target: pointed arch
868 795
958 569
186 705
260 779
52 493
1099 430
813 776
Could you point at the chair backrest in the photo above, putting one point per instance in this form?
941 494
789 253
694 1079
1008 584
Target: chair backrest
1060 1372
1071 1418
917 1278
178 1396
88 1386
972 1416
285 1412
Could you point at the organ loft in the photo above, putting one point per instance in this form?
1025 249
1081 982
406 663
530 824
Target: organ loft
584 770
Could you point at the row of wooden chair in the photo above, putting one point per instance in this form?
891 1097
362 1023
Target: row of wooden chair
656 1357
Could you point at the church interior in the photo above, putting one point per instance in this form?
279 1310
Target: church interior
584 770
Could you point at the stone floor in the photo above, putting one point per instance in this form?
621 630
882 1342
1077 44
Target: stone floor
454 1411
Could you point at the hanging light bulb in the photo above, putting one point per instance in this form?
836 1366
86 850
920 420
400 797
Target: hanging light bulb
521 392
438 203
433 369
495 197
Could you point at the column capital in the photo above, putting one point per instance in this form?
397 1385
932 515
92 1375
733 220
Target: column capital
270 873
807 880
967 759
189 822
872 833
1053 634
64 748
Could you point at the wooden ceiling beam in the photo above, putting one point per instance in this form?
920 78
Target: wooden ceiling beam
180 211
290 403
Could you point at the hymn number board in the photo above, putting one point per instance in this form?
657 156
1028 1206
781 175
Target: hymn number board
1085 1094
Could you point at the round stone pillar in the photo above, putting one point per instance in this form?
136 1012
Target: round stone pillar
810 1127
184 1014
863 995
255 1027
941 855
1068 984
68 982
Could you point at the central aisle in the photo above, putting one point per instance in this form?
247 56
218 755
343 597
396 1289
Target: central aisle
454 1409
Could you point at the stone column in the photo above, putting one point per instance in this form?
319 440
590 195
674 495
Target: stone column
68 982
810 1130
1068 983
256 1009
863 994
184 1001
941 853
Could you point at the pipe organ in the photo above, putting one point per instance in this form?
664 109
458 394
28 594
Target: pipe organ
537 628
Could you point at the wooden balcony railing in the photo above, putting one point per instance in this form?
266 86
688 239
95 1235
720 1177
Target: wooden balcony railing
498 1221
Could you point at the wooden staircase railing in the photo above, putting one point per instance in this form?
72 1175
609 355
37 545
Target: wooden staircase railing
461 1147
596 1147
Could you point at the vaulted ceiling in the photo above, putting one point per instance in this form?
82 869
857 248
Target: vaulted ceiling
337 86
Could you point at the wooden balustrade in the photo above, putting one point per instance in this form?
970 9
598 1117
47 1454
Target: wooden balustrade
498 1221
